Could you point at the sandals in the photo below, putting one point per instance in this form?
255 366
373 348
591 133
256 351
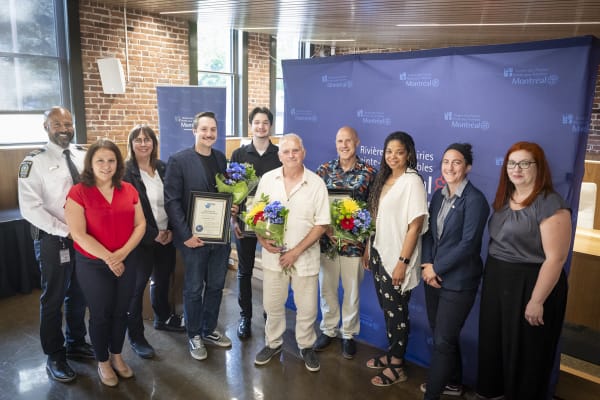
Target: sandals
397 372
376 363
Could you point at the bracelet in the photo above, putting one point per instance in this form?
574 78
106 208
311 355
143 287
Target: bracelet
404 260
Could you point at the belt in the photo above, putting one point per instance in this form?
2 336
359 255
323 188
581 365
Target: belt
38 234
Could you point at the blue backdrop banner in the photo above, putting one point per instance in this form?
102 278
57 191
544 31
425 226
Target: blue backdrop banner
491 96
177 106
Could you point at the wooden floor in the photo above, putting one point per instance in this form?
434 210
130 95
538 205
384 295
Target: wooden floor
226 374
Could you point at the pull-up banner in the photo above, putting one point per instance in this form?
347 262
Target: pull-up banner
490 96
177 106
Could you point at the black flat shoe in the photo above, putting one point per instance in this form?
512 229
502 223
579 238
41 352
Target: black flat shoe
172 324
60 370
83 350
322 342
348 348
142 348
244 330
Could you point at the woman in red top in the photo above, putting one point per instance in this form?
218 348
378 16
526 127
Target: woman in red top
106 221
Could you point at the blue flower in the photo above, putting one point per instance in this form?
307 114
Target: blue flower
235 172
272 212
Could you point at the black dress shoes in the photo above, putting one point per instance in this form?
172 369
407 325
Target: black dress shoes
83 350
172 324
142 348
60 370
348 348
244 330
322 341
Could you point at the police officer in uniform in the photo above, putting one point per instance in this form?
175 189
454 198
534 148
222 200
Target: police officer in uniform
45 177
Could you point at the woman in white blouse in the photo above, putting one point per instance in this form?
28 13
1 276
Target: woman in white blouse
399 202
156 254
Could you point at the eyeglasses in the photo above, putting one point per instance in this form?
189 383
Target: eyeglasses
142 140
524 164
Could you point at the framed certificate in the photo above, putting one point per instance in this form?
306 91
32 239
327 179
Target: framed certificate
208 216
339 194
248 231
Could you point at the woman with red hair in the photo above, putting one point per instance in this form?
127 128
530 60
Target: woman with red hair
524 291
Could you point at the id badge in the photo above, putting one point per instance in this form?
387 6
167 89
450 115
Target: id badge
65 256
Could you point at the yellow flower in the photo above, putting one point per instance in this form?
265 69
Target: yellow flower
260 206
349 206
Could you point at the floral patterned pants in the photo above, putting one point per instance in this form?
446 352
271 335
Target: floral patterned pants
394 305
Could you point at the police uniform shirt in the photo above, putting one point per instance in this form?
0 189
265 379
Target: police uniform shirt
44 182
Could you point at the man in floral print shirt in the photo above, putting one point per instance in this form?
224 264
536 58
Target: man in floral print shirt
348 172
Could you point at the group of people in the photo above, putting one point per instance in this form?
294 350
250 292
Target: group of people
119 232
101 232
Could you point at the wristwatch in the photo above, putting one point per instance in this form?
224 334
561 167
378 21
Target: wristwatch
404 260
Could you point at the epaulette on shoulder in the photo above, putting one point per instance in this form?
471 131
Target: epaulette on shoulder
35 152
81 147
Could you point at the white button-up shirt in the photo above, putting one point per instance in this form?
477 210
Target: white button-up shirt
44 182
308 206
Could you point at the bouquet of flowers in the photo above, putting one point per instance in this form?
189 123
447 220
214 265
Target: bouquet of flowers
267 219
351 221
238 179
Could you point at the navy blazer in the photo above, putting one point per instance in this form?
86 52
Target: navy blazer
186 172
133 176
456 254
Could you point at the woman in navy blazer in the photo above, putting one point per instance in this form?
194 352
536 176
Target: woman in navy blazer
452 266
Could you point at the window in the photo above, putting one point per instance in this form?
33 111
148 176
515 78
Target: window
288 47
33 67
216 65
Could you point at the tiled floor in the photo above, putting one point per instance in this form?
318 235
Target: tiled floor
173 374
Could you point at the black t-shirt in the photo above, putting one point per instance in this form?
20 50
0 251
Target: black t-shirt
262 163
211 168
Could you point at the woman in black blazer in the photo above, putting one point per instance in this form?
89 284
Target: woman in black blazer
452 266
156 254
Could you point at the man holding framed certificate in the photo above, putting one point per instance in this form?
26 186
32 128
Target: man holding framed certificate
346 173
196 210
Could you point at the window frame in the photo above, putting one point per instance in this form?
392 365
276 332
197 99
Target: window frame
62 23
234 75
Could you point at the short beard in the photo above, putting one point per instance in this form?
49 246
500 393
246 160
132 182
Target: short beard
59 140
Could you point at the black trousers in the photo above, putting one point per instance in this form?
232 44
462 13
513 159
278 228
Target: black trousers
447 311
155 262
246 248
59 287
108 299
394 305
515 358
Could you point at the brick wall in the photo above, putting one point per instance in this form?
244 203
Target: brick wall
593 144
259 64
158 55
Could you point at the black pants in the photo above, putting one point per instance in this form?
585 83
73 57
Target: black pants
515 358
155 262
394 305
59 286
108 299
447 311
246 248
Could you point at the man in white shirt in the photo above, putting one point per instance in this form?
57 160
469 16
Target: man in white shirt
45 177
304 194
